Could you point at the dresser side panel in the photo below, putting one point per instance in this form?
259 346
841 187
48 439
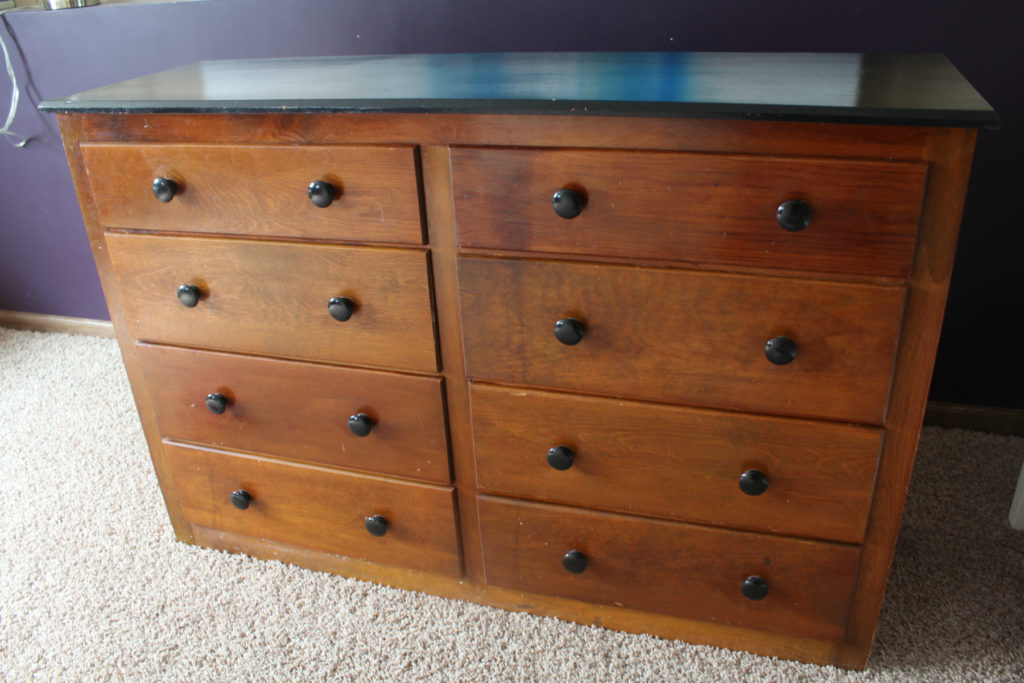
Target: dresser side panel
72 134
949 152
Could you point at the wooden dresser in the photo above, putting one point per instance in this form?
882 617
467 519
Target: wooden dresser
636 340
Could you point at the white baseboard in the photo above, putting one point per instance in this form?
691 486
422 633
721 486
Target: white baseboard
56 323
1017 506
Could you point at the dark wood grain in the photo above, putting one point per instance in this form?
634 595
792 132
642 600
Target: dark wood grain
271 298
677 462
683 336
669 568
609 132
692 207
319 508
300 411
437 195
951 152
259 190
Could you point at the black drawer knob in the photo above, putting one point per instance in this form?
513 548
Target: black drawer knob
321 193
164 189
794 215
216 403
568 203
341 308
241 499
569 331
360 424
753 482
376 525
574 561
754 588
189 295
560 457
780 350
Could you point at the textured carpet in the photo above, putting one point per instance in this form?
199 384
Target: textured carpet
93 587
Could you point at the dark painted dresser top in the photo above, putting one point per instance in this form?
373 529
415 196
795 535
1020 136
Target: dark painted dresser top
916 89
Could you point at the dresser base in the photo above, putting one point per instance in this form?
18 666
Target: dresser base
587 614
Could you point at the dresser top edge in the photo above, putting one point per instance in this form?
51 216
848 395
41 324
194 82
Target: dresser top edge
888 89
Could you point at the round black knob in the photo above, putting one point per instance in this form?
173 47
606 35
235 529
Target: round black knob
189 295
360 424
241 499
754 588
321 193
560 458
574 561
341 308
164 189
217 403
569 331
794 215
753 483
568 203
376 525
780 350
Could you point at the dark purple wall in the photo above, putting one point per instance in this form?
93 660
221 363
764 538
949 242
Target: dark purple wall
45 264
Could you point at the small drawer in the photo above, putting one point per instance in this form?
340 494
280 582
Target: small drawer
258 190
778 475
696 208
358 419
796 587
683 336
318 508
276 298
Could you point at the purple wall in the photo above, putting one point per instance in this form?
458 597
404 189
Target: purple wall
45 264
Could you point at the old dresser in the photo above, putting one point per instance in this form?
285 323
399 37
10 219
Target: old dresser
638 340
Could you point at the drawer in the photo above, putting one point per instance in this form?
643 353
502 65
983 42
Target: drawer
317 508
683 336
799 477
670 568
697 208
272 298
300 411
259 190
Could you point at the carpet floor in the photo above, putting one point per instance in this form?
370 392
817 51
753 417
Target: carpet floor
93 586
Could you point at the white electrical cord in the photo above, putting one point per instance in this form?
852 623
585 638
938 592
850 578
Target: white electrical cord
15 94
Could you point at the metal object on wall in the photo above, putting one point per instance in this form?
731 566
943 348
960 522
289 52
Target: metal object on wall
68 4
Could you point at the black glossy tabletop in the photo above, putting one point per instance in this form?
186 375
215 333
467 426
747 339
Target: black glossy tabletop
918 89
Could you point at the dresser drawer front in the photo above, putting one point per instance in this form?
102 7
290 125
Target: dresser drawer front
317 508
683 336
677 462
670 568
272 298
259 190
697 208
300 411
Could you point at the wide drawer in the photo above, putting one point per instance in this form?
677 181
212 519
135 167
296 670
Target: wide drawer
698 208
683 336
300 411
272 298
771 474
670 568
259 190
317 508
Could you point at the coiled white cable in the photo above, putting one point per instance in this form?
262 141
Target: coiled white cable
6 131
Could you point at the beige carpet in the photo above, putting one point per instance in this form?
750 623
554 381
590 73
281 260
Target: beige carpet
92 586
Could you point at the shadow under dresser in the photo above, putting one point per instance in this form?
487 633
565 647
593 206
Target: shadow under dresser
637 340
